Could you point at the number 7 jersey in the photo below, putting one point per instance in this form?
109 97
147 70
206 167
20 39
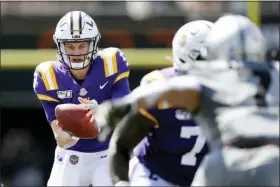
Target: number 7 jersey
176 146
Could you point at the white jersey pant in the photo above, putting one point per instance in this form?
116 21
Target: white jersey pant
73 168
139 175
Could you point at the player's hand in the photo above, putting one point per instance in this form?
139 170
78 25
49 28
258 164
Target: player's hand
105 120
91 105
63 138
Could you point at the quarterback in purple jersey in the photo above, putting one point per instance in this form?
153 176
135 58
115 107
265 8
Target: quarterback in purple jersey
173 145
80 73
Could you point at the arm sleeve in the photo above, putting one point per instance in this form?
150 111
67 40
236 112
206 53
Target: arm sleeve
48 99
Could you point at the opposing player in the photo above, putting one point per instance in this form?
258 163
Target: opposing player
239 117
222 99
80 73
173 146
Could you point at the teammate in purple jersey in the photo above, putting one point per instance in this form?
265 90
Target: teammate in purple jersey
81 73
173 146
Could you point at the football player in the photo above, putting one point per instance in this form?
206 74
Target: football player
223 96
173 146
79 74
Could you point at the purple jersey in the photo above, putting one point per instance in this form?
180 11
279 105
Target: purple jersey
175 147
107 79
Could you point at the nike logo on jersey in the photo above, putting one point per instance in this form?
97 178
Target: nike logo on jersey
102 86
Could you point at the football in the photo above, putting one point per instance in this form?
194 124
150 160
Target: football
72 118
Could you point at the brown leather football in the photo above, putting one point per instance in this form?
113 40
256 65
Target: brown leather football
72 118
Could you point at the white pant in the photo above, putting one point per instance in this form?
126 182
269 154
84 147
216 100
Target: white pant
139 175
73 168
231 166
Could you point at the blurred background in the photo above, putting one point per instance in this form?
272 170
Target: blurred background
143 30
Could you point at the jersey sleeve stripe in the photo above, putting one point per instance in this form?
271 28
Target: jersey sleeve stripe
110 62
114 62
106 67
149 116
43 97
53 78
48 76
45 80
122 76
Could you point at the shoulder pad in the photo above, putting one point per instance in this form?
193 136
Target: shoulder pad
48 75
151 77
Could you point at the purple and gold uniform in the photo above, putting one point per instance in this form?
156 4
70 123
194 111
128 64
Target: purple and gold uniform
172 152
107 79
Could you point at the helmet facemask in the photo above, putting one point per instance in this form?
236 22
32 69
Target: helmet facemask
87 57
185 59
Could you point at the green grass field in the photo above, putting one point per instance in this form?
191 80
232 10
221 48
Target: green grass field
137 58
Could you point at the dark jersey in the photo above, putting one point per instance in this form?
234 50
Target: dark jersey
175 147
107 79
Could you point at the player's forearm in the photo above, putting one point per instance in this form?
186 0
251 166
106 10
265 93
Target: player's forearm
144 96
179 91
118 157
119 164
128 133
